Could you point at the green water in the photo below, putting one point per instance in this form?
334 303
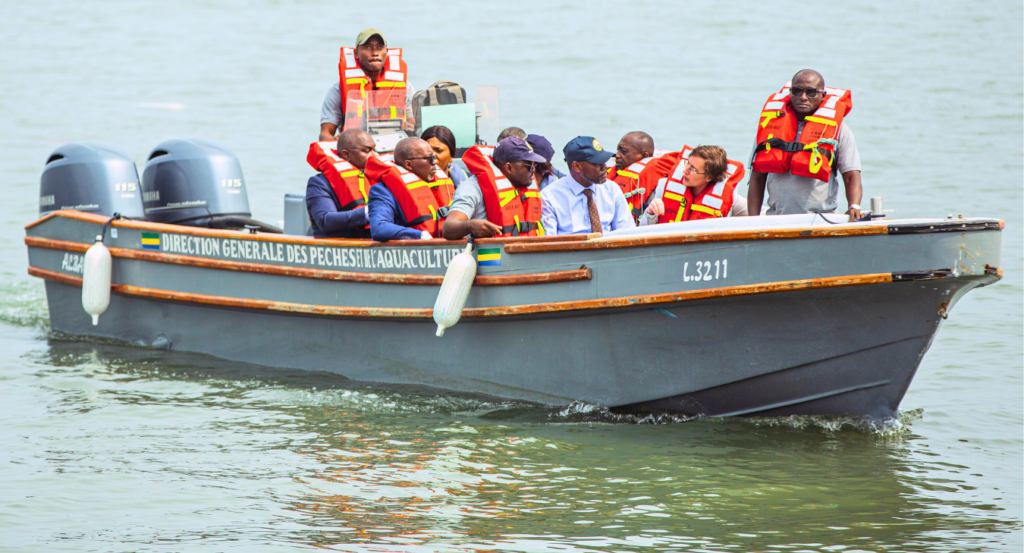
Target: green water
108 448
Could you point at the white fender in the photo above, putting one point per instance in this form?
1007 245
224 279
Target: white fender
96 280
458 279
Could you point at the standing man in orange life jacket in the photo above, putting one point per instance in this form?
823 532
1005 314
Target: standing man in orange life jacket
371 65
486 205
802 142
336 197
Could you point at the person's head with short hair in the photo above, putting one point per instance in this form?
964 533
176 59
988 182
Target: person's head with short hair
545 150
416 156
633 147
371 51
586 158
706 166
442 141
806 92
512 131
356 146
517 161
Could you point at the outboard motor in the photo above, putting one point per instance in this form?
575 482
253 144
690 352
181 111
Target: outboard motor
91 177
197 183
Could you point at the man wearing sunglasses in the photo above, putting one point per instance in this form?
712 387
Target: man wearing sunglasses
514 214
402 206
802 143
585 201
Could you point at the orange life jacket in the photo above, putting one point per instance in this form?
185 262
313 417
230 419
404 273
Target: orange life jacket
812 154
414 197
393 76
350 185
443 188
628 180
516 210
715 201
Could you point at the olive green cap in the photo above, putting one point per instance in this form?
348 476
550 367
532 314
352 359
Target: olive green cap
367 34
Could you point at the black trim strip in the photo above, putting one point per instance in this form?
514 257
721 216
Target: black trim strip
922 275
945 226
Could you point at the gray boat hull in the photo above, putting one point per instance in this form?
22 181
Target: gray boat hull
848 346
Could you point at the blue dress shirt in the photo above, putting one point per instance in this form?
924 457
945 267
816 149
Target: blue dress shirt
564 207
385 213
326 219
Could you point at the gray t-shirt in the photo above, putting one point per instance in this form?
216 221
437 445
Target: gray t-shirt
469 199
789 194
330 112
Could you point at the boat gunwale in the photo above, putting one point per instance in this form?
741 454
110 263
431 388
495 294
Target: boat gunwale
757 234
583 273
506 311
288 238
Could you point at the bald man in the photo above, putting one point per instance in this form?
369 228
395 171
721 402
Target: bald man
798 179
336 202
632 155
388 221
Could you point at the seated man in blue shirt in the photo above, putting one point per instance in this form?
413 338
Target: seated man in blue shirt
387 222
326 216
585 201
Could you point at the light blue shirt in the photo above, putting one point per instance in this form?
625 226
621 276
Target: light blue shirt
564 207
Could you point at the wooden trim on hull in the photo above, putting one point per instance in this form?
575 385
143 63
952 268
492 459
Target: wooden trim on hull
483 312
583 273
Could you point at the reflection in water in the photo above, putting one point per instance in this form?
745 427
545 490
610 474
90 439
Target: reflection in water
257 456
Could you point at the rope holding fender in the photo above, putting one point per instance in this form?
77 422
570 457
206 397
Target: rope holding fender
114 217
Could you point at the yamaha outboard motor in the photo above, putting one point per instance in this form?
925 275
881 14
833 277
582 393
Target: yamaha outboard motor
198 183
91 177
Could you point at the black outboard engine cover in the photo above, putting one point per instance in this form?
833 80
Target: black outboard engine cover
91 177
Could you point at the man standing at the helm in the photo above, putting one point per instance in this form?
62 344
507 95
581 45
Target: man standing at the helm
370 66
779 161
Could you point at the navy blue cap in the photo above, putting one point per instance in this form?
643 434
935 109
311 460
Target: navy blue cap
541 146
586 148
515 149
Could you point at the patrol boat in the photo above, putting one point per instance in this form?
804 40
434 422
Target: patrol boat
766 316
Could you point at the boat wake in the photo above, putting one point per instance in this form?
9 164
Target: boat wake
582 412
24 304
